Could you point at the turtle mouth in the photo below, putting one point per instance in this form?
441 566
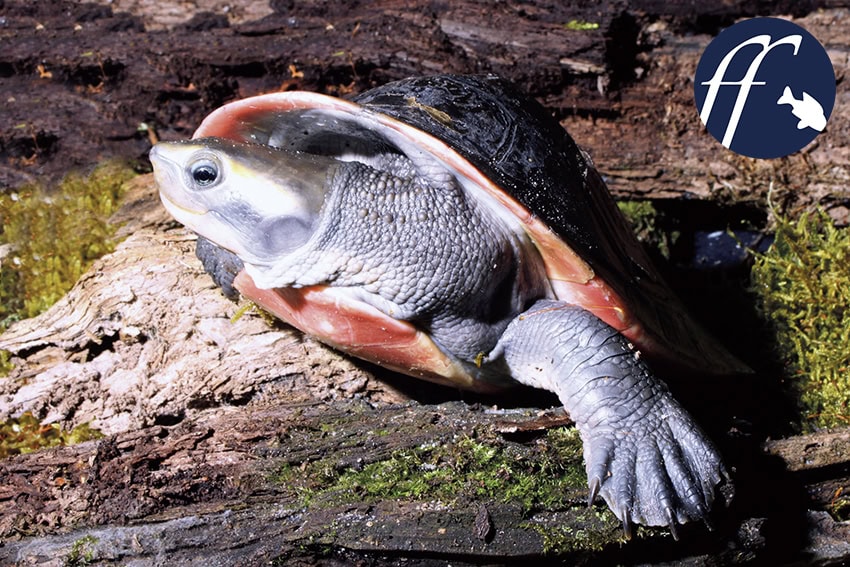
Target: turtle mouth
205 223
177 210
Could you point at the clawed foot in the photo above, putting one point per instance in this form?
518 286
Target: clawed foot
656 470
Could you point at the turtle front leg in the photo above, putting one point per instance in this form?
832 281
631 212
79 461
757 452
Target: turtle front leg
644 454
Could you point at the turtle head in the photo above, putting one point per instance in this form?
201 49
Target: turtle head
256 201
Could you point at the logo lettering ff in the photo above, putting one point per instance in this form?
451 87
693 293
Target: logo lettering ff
765 88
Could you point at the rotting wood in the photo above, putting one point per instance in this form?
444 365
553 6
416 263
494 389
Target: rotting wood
201 410
812 452
617 74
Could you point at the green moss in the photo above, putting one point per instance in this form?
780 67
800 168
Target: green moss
644 219
577 25
249 306
26 434
802 286
839 508
81 553
50 237
552 475
599 529
6 365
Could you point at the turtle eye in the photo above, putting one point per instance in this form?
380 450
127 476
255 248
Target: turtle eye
204 173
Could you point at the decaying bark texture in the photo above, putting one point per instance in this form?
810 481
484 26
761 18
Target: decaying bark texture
202 410
146 337
618 74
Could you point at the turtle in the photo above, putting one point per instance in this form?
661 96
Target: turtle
447 227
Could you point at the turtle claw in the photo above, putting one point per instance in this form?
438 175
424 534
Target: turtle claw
672 524
627 524
594 491
658 471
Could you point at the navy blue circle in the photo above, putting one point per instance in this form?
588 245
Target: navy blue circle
766 129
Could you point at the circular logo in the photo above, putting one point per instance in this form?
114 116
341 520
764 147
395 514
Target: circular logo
764 88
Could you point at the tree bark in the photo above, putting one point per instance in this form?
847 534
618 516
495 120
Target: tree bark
618 74
202 412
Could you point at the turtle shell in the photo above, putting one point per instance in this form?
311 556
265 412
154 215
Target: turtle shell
496 140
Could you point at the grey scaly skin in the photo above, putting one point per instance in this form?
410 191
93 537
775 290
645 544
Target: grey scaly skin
643 453
420 253
426 252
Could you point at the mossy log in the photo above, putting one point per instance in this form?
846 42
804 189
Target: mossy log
238 440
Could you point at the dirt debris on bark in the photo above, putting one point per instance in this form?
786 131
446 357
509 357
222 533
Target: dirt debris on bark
148 338
86 81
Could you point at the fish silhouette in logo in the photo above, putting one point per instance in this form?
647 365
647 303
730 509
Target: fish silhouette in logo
807 109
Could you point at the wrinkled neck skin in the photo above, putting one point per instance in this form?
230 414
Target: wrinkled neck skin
425 252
